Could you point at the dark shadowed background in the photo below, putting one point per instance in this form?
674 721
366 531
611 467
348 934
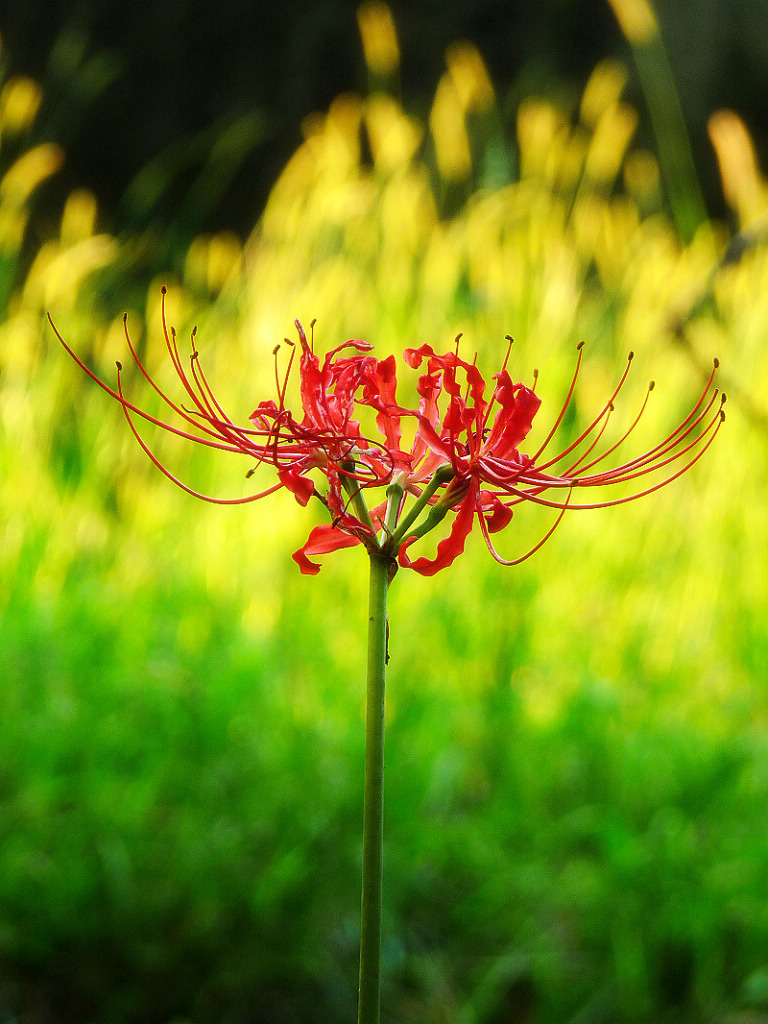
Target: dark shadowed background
127 83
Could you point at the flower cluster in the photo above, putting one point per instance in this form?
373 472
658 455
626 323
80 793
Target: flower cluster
464 458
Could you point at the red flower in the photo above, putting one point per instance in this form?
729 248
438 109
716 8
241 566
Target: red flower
464 459
327 437
479 440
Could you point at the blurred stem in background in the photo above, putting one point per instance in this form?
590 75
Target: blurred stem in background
639 23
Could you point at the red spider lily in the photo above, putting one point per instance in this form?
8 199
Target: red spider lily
327 437
464 457
488 474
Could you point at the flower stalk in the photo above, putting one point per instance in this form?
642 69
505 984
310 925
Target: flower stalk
369 999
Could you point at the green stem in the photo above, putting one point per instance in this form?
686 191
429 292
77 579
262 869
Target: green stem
394 500
442 475
373 805
355 492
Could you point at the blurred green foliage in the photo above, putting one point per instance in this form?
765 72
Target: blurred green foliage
576 758
181 813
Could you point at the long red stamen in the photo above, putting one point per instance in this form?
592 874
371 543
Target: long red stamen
672 441
179 410
582 466
163 469
537 487
517 561
173 351
647 464
511 340
587 430
566 403
204 389
219 445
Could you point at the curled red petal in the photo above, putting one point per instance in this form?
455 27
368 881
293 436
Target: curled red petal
380 393
356 343
496 514
512 423
451 546
414 356
301 487
321 540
